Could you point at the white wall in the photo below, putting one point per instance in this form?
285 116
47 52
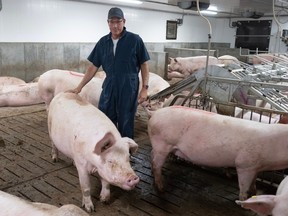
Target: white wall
72 21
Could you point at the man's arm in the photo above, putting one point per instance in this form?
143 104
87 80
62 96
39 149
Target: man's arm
145 81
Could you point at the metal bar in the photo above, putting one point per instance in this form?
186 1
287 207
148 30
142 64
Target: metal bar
249 83
176 88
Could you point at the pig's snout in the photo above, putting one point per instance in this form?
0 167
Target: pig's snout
132 181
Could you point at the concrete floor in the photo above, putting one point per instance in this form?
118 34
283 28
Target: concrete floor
26 170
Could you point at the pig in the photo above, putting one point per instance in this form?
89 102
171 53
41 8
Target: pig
156 84
228 59
182 67
54 81
86 135
275 205
254 116
261 58
11 205
20 95
210 139
8 80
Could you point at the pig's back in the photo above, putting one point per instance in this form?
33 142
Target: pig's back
182 123
72 108
73 120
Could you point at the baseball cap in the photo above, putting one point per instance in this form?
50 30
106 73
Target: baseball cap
115 12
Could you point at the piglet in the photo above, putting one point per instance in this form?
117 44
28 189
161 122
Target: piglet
82 132
11 205
276 205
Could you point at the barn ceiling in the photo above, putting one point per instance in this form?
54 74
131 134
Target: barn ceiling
237 8
225 8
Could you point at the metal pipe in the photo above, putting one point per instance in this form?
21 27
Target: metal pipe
209 44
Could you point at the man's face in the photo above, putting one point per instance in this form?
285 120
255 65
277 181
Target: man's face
116 26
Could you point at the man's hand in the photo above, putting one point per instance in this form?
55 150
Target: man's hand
76 90
142 95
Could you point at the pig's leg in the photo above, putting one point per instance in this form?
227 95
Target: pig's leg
105 191
85 187
54 152
246 181
158 159
252 189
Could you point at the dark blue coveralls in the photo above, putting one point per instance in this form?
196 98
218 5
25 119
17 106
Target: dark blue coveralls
119 96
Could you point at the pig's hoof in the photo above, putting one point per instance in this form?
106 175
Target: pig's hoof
89 207
54 159
159 187
104 200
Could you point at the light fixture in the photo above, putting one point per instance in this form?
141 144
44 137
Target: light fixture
209 12
212 10
130 1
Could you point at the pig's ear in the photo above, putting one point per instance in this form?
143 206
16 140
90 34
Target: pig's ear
170 59
262 204
105 143
133 146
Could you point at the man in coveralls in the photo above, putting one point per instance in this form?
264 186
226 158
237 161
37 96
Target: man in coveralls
122 55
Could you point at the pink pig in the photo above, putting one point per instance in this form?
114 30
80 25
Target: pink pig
83 133
20 95
11 205
210 139
182 67
54 81
8 80
275 205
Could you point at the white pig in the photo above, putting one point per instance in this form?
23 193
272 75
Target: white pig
254 116
182 67
82 132
210 139
228 59
261 58
54 81
275 205
11 205
156 84
8 80
20 95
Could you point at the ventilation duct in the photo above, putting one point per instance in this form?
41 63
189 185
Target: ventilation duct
192 5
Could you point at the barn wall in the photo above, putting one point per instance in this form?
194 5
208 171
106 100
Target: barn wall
29 60
86 21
